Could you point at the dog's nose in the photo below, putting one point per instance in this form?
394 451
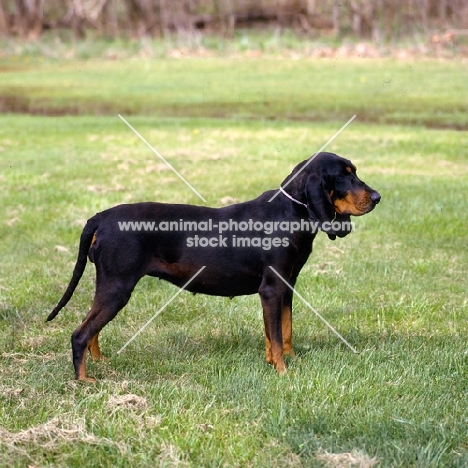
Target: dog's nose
375 197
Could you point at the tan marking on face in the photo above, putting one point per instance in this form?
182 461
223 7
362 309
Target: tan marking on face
355 204
348 170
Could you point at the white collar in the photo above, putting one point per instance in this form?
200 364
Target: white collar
291 198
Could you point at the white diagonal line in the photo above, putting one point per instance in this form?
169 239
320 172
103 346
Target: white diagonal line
161 309
162 159
316 313
313 156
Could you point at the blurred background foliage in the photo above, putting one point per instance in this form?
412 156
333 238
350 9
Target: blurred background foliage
377 20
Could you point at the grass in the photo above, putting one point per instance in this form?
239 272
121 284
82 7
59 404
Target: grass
424 92
193 389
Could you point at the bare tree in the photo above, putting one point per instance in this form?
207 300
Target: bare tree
143 19
336 18
4 30
226 15
375 19
109 19
28 18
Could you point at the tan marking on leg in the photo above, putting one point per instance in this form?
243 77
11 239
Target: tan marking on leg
82 371
273 333
93 346
279 364
277 357
274 355
286 324
94 349
269 357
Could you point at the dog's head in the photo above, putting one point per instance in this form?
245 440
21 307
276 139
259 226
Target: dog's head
332 191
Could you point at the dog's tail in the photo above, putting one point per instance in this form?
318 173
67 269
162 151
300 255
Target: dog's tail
80 265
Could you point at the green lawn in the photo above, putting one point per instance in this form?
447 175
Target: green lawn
194 389
425 92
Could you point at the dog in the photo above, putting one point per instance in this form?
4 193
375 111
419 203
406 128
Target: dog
129 241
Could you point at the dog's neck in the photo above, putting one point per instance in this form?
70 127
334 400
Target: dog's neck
291 197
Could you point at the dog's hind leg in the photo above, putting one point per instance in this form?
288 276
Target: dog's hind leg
111 296
94 348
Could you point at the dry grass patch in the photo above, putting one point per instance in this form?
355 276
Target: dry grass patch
52 434
354 459
129 401
171 456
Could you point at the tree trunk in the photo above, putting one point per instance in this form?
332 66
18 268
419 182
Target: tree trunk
226 16
20 20
109 16
356 17
443 12
311 6
377 22
3 21
164 18
336 18
424 5
28 18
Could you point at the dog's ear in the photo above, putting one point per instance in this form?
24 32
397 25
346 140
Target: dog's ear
320 205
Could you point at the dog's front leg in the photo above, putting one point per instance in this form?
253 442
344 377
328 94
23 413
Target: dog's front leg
271 293
286 323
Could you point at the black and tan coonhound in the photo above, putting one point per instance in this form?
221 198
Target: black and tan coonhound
260 241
